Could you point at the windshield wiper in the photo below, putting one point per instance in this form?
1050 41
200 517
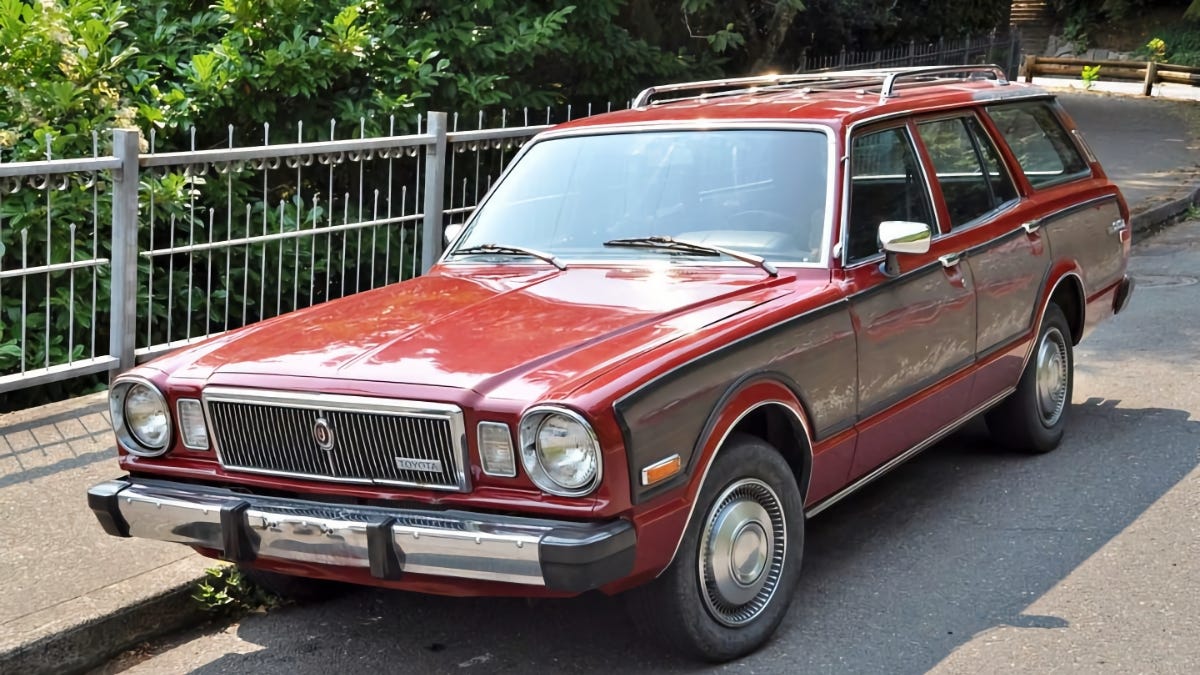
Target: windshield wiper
504 249
671 244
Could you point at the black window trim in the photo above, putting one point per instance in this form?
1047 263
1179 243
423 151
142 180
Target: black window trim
983 165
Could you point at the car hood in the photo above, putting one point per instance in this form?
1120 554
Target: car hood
511 332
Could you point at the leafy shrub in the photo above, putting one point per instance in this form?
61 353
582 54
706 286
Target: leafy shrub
1178 44
225 590
59 89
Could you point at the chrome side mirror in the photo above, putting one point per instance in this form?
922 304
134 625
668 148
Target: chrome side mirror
451 233
901 236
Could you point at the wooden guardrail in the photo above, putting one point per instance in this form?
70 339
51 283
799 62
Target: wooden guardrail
1149 73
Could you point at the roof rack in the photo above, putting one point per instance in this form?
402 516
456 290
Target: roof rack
886 79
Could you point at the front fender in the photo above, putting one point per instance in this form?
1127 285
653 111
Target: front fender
670 506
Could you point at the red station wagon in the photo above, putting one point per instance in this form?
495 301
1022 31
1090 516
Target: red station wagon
666 338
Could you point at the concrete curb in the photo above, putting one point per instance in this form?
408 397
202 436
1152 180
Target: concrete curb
82 645
1157 217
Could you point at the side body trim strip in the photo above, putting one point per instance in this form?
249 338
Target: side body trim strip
911 452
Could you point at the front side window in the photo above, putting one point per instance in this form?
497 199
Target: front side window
1041 144
885 184
969 171
758 191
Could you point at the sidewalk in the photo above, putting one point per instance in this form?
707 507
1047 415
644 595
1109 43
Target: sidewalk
1165 90
78 596
74 589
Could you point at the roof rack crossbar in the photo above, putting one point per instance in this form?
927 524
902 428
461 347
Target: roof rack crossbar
823 84
885 78
888 89
764 81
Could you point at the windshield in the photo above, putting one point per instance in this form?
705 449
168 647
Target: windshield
755 191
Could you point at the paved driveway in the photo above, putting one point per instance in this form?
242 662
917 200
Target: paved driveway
1148 146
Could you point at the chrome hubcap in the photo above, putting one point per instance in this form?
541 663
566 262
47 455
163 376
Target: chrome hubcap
748 556
742 552
1052 376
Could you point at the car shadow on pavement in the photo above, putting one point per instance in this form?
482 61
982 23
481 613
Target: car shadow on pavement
958 541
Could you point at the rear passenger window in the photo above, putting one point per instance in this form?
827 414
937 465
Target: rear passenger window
1003 188
1040 142
885 184
972 178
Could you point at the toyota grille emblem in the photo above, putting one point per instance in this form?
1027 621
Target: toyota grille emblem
323 434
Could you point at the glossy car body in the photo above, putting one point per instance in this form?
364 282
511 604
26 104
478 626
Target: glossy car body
845 365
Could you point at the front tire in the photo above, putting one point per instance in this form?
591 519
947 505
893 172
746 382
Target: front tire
301 590
1032 419
738 564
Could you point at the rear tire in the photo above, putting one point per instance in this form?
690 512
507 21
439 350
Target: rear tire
1032 419
738 564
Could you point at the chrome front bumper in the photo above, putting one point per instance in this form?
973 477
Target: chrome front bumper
389 542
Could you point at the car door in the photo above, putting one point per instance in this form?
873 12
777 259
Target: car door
1007 261
914 326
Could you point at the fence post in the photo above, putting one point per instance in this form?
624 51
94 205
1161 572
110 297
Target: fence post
1151 78
123 290
1014 52
912 48
435 185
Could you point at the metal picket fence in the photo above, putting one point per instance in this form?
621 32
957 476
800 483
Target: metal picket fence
181 246
53 260
1000 47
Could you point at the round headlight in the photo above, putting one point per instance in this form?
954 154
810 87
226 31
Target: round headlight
560 452
566 451
146 416
141 417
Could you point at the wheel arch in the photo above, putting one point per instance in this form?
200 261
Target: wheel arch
782 428
1067 292
765 405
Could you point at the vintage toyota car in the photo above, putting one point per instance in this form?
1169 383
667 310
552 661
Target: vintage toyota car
667 337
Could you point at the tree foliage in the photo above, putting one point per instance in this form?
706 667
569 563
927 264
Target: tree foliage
245 62
76 65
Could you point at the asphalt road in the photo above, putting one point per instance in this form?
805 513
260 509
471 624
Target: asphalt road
967 559
1150 147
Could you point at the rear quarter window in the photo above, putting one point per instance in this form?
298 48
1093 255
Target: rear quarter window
1042 146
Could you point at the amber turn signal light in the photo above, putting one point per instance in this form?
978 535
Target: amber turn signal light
660 471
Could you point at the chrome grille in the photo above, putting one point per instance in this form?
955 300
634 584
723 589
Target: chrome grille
373 441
